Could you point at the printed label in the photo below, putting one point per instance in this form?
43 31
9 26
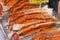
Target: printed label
38 1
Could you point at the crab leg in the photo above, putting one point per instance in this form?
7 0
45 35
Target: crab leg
32 31
31 16
11 3
24 29
16 5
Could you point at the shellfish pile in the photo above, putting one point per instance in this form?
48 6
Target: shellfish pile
25 19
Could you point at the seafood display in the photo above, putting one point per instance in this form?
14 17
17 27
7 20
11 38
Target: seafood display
25 23
24 19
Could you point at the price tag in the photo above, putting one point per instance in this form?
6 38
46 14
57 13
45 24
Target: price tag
38 1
